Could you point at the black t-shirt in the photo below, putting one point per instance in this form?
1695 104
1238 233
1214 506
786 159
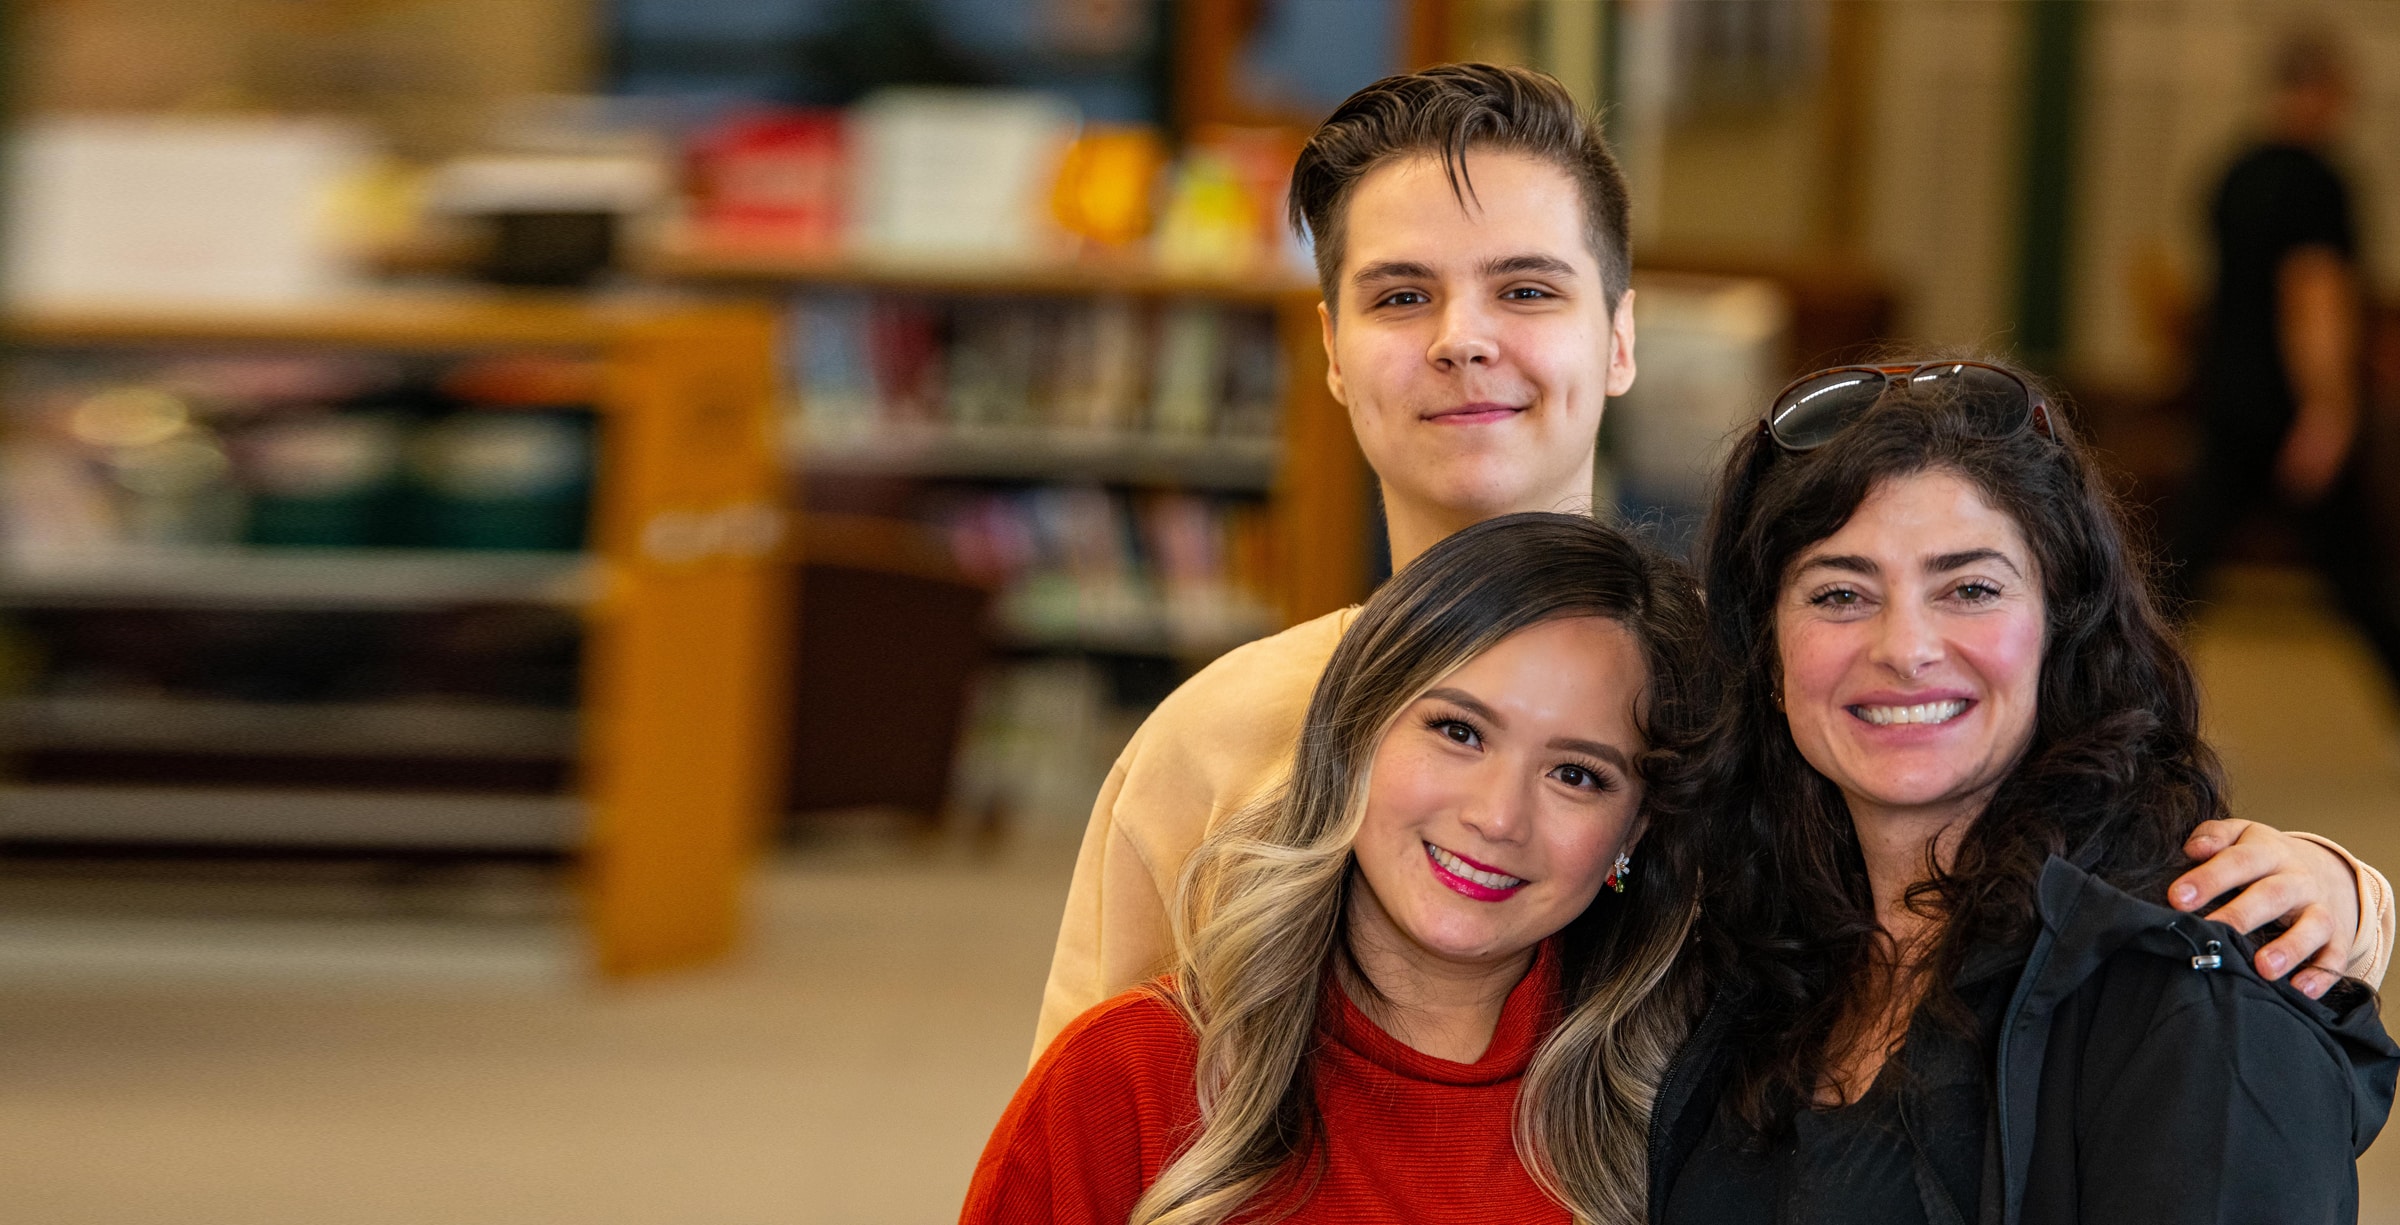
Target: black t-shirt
2276 199
1915 1149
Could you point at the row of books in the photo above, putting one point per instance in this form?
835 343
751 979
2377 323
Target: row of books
993 175
1149 571
869 364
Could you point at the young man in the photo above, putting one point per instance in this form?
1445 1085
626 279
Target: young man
1471 242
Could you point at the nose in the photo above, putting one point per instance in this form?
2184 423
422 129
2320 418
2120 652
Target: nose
1908 642
1502 813
1465 338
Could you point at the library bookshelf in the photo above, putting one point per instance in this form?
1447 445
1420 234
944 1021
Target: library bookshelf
1304 469
682 594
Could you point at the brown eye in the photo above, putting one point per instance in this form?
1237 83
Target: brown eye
1454 729
1583 778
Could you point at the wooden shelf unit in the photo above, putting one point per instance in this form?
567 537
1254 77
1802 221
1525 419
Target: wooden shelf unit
680 261
1316 487
1238 465
684 595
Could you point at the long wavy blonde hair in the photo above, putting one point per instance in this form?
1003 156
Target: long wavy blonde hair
1261 911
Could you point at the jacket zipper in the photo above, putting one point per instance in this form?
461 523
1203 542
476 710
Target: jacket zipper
2035 962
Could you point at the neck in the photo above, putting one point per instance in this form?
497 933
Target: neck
1416 525
1443 1008
1903 847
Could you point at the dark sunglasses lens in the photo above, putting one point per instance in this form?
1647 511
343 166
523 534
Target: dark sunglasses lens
1996 403
1810 414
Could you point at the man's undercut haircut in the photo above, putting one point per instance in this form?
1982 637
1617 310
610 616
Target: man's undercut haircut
1444 111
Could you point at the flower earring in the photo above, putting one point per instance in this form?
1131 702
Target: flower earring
1619 871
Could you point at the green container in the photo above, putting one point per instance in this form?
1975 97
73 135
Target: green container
501 479
327 480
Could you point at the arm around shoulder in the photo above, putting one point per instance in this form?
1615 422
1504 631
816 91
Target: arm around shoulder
2371 950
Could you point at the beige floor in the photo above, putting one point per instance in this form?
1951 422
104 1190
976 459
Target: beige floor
278 1071
220 1053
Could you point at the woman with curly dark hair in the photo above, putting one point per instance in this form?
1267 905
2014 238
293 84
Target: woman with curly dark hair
1957 756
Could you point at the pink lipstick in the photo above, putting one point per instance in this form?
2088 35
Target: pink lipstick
1454 876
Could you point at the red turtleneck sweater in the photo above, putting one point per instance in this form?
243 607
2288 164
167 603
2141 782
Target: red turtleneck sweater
1407 1137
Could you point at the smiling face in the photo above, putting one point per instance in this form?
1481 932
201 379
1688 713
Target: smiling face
1911 643
1473 343
1502 796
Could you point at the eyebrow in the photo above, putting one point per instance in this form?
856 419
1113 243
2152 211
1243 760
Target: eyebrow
1474 705
1945 562
1848 563
1939 563
1531 263
1593 748
1393 270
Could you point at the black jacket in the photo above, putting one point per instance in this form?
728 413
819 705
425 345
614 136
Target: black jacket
2135 1080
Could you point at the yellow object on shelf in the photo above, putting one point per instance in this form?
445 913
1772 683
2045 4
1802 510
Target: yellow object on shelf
1105 184
1211 224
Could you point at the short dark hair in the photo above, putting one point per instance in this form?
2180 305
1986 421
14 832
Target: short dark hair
2115 777
1445 111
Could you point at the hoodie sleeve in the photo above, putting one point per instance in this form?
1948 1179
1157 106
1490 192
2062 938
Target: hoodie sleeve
1222 738
2371 948
2224 1103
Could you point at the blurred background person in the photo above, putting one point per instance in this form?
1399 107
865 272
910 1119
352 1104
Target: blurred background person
2280 368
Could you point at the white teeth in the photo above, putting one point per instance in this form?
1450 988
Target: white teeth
1459 867
1923 712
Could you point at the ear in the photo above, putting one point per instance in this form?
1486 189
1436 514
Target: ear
1620 346
1633 837
1333 361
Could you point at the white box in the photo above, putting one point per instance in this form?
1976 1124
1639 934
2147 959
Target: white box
179 211
957 173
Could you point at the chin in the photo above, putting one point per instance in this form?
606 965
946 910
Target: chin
1921 792
1464 940
1486 499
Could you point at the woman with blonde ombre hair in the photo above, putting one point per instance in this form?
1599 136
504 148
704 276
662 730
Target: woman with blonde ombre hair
1430 979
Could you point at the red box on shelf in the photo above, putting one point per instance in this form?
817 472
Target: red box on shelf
776 179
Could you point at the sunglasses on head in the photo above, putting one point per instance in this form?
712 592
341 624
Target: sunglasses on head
1815 407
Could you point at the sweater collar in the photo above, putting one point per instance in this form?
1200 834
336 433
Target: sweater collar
1526 1017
